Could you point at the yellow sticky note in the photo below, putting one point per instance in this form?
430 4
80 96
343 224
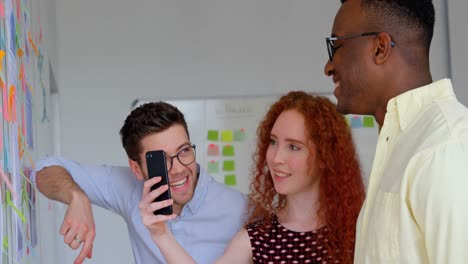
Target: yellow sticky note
227 136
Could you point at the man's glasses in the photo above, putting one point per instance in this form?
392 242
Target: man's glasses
331 41
185 156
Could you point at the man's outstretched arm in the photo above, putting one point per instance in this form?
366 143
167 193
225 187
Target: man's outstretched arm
56 183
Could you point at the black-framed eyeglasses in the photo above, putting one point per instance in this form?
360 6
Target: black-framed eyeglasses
331 41
185 156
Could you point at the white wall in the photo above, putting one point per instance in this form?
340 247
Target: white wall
49 241
111 52
458 46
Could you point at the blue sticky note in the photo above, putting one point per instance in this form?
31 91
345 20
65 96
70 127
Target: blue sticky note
356 122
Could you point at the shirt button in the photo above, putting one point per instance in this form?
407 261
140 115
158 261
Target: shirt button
387 139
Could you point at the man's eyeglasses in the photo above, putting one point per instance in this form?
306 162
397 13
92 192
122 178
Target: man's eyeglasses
331 41
185 156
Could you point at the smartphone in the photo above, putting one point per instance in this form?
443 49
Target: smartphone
156 164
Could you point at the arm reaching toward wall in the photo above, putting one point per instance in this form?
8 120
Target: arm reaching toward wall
78 224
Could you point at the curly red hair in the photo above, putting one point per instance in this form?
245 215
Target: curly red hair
341 185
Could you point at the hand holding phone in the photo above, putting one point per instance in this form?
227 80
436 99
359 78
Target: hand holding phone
156 164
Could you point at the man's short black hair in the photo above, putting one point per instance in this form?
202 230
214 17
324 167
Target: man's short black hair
416 17
145 120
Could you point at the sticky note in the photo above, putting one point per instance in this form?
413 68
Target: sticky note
2 54
213 167
356 122
230 179
213 150
228 150
2 10
213 135
239 135
229 165
368 121
348 122
227 136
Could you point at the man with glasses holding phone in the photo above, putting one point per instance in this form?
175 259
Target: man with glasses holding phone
206 214
416 205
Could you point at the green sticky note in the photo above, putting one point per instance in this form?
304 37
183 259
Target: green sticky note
229 165
5 243
228 150
230 179
213 167
239 135
213 135
227 136
368 121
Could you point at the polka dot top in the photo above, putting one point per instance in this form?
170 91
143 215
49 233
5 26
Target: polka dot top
273 243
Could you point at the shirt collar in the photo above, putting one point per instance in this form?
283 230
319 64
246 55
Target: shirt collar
199 194
408 105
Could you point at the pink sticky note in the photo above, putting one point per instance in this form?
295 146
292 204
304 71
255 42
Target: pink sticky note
2 10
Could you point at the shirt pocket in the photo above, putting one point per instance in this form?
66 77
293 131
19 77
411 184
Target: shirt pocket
384 227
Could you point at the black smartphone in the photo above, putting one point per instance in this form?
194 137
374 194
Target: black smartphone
156 164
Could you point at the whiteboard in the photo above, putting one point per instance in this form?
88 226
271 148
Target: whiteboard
224 132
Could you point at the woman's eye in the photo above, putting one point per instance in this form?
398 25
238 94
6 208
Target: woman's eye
294 147
272 141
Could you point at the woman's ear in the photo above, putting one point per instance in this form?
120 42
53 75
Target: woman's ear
383 48
135 167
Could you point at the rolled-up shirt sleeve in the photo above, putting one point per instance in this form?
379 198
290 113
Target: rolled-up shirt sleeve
109 187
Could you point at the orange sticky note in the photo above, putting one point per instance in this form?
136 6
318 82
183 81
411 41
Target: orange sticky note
20 52
2 54
12 103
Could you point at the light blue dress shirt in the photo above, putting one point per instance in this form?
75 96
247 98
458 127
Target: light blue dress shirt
204 227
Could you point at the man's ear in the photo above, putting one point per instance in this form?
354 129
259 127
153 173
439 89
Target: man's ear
383 48
135 167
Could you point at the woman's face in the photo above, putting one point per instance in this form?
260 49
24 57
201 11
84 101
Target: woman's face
291 155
